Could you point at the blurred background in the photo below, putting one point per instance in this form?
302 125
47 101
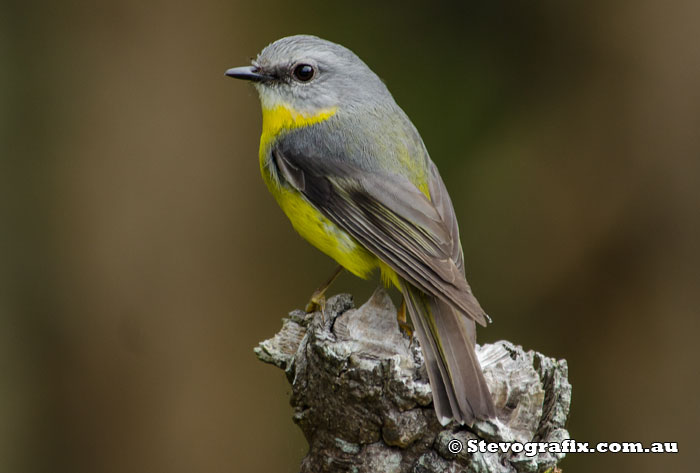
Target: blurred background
142 258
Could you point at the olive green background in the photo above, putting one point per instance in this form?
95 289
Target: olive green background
142 258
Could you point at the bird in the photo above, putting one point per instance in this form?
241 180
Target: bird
351 172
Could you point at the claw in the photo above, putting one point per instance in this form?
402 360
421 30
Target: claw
318 298
403 323
316 302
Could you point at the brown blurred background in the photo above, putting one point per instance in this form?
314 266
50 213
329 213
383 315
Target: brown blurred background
142 258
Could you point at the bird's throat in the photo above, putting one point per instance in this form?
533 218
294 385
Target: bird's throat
281 118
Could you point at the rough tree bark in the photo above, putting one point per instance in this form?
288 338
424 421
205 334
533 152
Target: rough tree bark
360 395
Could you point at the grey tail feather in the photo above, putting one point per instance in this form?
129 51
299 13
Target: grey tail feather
447 338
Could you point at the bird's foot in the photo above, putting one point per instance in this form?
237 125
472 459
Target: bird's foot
404 326
318 298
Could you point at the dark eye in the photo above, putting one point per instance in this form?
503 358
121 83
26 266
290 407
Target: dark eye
303 72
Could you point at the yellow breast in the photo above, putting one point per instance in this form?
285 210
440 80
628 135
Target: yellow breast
306 220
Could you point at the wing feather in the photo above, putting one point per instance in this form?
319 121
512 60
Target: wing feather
390 216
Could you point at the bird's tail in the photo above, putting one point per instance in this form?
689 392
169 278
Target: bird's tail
447 338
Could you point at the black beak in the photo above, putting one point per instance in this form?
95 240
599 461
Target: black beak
251 73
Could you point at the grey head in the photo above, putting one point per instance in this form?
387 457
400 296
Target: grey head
307 73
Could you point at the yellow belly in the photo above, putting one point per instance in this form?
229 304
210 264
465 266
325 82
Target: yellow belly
313 226
324 234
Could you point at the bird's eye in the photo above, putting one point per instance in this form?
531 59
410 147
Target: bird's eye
303 72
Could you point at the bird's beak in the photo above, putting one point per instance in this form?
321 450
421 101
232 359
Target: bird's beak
250 73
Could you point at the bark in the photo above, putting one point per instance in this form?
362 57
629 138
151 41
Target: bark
361 396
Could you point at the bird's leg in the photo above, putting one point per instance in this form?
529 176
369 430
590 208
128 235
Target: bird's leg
401 319
318 298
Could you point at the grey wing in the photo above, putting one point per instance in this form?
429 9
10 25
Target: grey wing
388 215
443 205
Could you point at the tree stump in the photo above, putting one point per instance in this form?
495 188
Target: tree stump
361 396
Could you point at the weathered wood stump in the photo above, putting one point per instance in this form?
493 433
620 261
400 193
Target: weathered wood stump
361 396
